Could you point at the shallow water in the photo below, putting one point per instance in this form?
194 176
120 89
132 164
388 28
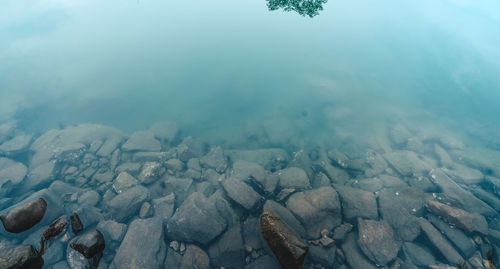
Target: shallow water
350 94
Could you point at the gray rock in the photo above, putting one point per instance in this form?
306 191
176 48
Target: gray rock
241 193
16 144
195 257
129 167
243 169
191 148
143 246
418 255
148 156
293 177
150 172
91 198
486 196
264 262
196 220
174 165
341 231
286 216
322 255
378 241
265 180
251 233
164 207
407 163
145 211
165 131
358 203
465 244
124 181
142 141
11 172
461 197
6 130
482 158
215 159
335 174
228 250
316 209
181 187
173 259
112 229
353 254
23 256
469 222
440 243
25 216
464 174
270 159
60 265
376 162
127 204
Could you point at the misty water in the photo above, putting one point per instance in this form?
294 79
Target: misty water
349 116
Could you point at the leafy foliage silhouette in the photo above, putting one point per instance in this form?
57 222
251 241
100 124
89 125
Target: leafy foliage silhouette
309 8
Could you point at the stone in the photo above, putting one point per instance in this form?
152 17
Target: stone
294 178
127 204
164 207
243 169
399 134
76 223
463 243
288 248
23 256
143 246
241 193
377 240
357 203
460 196
129 167
228 250
341 231
16 144
270 159
124 181
469 222
145 211
191 148
174 165
23 217
142 141
55 228
418 255
353 254
266 181
165 131
316 209
89 244
264 262
484 159
251 233
173 259
488 197
112 229
54 253
440 243
196 220
407 163
376 162
150 172
11 172
286 216
195 257
322 255
91 198
181 187
76 260
215 159
464 174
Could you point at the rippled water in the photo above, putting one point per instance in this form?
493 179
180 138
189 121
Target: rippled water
348 91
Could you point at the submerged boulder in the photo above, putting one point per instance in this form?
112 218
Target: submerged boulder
89 244
378 241
20 257
469 222
23 217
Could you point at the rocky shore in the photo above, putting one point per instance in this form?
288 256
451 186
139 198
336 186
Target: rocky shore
91 196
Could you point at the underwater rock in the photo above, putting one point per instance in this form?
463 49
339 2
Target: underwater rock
265 180
357 203
440 243
228 250
294 178
174 165
196 220
419 255
11 172
143 246
264 262
270 159
56 228
407 163
242 169
90 198
127 204
76 223
341 231
20 257
464 174
316 209
89 244
469 222
322 255
191 148
241 193
285 216
195 257
16 144
215 159
482 158
165 131
150 172
41 175
464 243
285 244
124 181
23 217
112 229
377 240
353 254
164 207
142 141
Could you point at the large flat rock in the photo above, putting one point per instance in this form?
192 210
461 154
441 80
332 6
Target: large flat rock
469 222
378 241
357 203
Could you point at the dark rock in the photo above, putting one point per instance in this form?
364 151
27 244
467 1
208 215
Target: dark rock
469 222
353 254
286 246
142 141
265 180
173 259
286 216
20 257
196 220
294 178
23 217
89 244
195 257
76 223
215 159
418 255
486 196
191 148
465 244
143 246
377 240
56 228
251 233
341 231
335 174
316 209
357 203
322 255
440 243
264 262
127 204
241 193
228 250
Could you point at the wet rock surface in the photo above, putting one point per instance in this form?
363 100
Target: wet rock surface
20 257
407 199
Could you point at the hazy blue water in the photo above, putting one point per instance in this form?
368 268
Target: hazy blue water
222 64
